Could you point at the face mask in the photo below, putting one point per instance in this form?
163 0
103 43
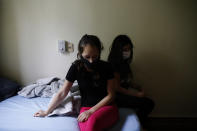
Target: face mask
126 54
88 64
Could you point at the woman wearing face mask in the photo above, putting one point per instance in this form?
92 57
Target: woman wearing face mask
120 57
96 84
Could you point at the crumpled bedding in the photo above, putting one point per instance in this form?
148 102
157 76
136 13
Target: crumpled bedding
48 87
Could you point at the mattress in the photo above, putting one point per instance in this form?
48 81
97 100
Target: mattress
16 114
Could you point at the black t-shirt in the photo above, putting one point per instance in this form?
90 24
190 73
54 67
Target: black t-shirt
92 85
125 73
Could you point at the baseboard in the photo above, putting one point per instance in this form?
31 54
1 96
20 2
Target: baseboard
172 124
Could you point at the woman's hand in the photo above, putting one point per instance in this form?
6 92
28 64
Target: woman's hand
84 116
56 100
140 94
41 113
105 101
136 93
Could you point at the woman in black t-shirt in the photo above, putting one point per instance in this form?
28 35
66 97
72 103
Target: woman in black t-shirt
96 84
120 57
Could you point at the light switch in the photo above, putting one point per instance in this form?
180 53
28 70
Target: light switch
65 46
62 46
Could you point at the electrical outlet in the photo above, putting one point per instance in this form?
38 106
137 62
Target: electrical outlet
70 47
65 46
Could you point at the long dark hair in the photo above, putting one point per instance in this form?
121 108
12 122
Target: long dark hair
91 40
85 40
115 55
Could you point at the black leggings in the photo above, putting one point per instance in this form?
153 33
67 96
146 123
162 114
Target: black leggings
142 105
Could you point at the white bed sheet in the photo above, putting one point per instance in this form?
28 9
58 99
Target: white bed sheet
16 114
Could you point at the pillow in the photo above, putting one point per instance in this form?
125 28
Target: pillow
7 88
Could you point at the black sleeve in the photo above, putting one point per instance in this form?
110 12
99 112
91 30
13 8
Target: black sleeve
109 72
72 73
115 66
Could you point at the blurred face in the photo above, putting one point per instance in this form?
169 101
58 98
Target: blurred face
90 53
126 48
126 53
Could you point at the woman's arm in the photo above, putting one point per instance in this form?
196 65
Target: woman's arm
62 93
108 99
105 101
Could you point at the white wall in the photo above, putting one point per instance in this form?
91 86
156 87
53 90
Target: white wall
163 32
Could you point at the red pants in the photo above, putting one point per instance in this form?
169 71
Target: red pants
103 118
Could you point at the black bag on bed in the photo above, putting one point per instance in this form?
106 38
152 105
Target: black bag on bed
8 88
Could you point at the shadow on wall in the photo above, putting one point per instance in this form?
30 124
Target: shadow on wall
9 47
1 13
160 76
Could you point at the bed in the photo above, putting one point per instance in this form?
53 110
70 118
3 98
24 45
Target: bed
16 114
